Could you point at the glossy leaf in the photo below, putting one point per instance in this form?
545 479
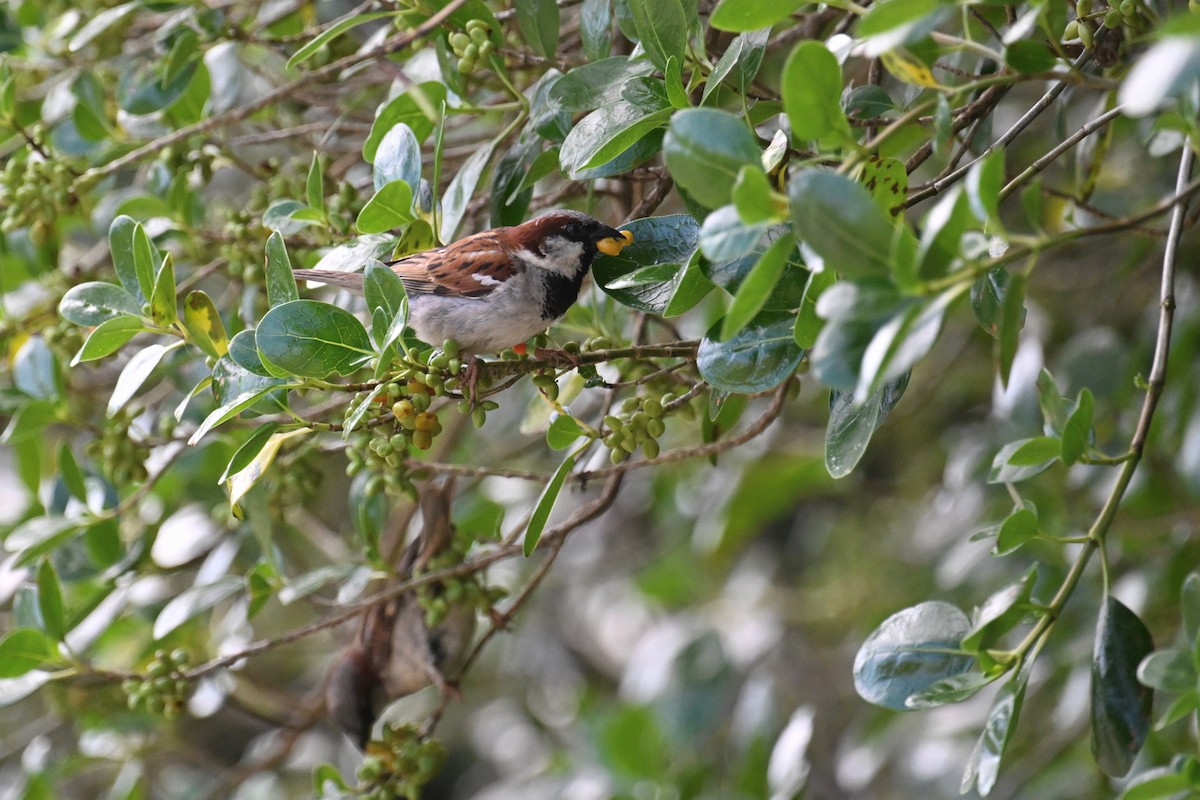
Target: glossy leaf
984 767
759 357
281 283
248 450
204 325
954 689
563 432
23 650
666 240
383 289
163 309
724 236
50 601
595 28
748 15
418 108
71 474
388 208
852 424
1004 471
812 91
94 303
1168 671
705 149
1078 429
135 373
1120 704
242 481
35 370
461 189
910 652
545 504
840 221
312 339
662 28
312 46
398 158
599 83
757 287
121 245
606 133
539 23
1018 528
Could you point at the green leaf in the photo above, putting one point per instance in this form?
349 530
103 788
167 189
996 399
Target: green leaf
838 219
984 181
705 149
662 28
545 503
1004 471
606 133
1035 451
760 357
383 289
689 286
314 184
910 652
1168 671
902 341
666 240
539 24
39 535
72 476
312 339
941 234
203 324
461 189
29 420
248 450
120 244
563 432
1120 705
1162 783
108 338
984 766
812 92
398 158
388 208
1018 528
632 744
232 405
135 373
23 650
98 24
1000 613
50 602
906 20
281 283
35 370
754 199
1027 55
724 237
887 181
854 314
987 298
1189 603
1078 429
757 287
676 91
851 425
145 260
954 689
332 32
808 324
242 481
597 84
162 302
749 15
94 303
1012 319
418 108
192 601
595 28
140 89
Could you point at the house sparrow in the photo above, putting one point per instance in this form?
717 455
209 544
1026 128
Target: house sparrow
395 653
497 288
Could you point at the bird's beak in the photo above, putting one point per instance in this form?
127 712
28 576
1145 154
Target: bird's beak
612 245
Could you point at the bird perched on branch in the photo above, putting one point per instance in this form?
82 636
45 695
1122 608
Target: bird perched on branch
497 288
395 652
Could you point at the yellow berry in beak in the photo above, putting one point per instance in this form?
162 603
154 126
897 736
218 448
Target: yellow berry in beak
612 245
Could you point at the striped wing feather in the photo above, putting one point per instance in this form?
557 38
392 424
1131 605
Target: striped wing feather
470 267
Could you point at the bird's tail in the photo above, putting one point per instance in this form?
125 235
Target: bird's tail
347 280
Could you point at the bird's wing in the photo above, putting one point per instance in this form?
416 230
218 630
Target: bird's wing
471 267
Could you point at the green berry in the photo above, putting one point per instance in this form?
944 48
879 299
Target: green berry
1113 19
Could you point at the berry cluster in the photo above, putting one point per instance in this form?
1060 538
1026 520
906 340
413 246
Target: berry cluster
457 593
165 688
639 425
404 764
1123 14
122 456
33 192
471 46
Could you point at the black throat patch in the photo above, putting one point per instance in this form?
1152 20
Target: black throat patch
558 293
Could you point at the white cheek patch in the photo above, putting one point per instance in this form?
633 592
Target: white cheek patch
562 256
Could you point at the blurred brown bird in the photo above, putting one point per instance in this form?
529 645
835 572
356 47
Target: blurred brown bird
395 653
